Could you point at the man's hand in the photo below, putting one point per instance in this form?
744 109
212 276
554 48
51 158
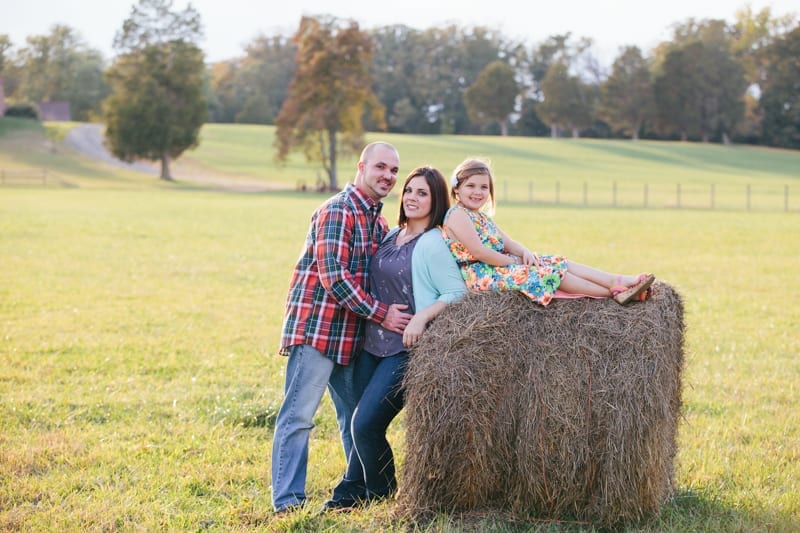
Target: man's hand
396 320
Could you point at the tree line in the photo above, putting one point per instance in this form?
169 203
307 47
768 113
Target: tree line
711 82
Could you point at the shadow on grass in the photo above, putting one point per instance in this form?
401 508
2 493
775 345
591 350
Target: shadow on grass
737 160
688 511
691 510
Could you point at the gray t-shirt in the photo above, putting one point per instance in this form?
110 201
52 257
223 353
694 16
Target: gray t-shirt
390 282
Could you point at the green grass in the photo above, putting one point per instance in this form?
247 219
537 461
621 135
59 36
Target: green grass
139 381
530 171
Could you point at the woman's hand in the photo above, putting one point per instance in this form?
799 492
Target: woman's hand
413 331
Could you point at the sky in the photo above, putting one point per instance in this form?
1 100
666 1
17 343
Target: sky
230 24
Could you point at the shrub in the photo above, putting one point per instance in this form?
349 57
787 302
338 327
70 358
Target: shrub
22 111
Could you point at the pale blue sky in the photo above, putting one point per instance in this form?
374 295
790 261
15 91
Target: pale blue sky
229 24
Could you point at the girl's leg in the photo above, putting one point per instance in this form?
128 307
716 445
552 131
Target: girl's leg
575 285
597 277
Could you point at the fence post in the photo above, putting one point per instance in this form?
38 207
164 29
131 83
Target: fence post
748 197
645 196
678 196
585 194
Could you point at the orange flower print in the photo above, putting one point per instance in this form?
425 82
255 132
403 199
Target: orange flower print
520 275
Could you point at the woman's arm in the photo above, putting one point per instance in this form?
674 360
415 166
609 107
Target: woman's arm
416 326
437 282
459 227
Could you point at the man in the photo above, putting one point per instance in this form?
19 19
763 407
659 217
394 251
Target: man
322 329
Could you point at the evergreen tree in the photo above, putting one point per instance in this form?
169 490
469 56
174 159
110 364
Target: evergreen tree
158 102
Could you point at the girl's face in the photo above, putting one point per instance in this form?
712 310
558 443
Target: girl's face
417 199
473 192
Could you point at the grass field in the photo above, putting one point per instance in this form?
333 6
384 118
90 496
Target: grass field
138 374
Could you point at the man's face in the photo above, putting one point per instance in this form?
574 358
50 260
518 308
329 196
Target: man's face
377 174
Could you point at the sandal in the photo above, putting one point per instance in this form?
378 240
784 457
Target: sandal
645 295
639 291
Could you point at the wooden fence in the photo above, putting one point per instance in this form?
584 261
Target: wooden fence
31 176
744 197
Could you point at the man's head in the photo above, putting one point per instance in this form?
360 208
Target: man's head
377 169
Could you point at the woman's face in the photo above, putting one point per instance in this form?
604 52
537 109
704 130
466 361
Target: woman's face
417 199
473 192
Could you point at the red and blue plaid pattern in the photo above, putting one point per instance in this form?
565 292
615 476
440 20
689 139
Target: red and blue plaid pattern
328 292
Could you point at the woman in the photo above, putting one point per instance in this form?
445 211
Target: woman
490 260
413 266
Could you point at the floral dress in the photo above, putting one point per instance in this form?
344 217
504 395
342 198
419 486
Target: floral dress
537 282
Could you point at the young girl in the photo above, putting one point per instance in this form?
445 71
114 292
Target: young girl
491 261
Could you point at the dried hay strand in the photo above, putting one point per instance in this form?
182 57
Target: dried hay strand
568 411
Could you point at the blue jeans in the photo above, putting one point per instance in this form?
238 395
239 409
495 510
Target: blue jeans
308 373
382 400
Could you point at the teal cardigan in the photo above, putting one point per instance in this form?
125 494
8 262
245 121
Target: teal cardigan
434 273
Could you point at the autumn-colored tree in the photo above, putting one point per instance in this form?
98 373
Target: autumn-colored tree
626 98
493 95
157 104
328 95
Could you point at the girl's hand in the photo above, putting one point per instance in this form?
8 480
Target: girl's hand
413 331
529 258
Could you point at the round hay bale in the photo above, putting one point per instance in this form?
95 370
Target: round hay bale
564 411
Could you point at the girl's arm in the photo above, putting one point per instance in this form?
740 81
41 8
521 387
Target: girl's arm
517 249
459 227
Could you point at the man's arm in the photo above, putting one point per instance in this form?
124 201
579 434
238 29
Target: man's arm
334 231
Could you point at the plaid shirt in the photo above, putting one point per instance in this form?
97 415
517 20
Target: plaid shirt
328 293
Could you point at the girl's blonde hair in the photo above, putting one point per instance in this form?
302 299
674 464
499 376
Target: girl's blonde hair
473 166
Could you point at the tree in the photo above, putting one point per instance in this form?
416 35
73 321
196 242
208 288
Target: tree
493 95
424 74
60 67
157 104
626 98
529 124
251 89
781 97
567 101
700 90
9 71
752 34
328 95
676 92
5 46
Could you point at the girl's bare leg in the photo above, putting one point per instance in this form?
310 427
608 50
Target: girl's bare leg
577 285
599 277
